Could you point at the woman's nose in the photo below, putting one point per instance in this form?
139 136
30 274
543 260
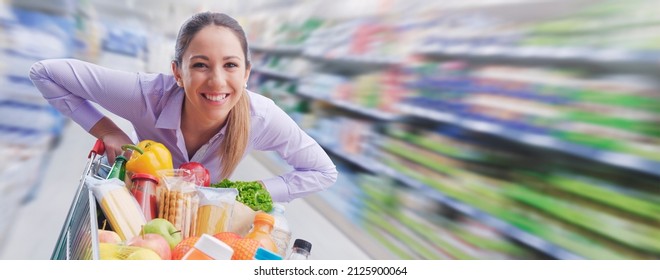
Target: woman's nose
218 79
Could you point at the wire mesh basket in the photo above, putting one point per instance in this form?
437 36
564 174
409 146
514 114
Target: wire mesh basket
78 239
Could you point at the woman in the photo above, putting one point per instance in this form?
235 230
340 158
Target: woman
202 112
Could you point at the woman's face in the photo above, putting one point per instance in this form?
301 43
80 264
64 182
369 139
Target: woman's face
213 74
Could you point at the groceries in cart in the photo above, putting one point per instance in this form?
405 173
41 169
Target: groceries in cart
166 210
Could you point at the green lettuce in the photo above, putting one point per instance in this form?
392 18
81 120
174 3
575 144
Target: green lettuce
251 194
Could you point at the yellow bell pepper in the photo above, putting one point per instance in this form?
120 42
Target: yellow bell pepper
148 157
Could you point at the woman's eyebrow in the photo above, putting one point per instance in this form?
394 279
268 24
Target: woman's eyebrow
200 56
204 57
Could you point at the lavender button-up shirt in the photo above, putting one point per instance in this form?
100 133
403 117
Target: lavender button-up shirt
152 103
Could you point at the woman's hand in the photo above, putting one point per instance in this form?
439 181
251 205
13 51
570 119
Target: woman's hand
113 143
113 138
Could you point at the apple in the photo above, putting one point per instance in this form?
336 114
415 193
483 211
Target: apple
108 236
165 229
153 241
202 175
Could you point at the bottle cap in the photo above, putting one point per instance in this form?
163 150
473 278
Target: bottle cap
302 244
214 248
144 176
264 217
265 254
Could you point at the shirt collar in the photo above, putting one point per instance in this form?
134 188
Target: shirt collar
170 117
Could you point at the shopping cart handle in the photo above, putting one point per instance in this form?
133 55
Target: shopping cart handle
98 148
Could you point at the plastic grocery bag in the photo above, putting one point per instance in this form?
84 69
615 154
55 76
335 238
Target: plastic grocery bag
118 205
242 219
215 211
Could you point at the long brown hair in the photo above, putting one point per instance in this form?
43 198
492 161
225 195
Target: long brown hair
238 121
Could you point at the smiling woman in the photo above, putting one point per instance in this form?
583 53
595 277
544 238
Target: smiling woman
202 111
211 63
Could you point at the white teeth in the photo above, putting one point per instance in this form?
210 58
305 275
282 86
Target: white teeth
216 97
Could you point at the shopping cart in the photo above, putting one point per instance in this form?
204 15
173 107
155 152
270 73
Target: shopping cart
79 236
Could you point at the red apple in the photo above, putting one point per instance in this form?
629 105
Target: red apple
155 242
202 175
108 236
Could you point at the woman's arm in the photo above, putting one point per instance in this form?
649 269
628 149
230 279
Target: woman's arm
69 85
313 169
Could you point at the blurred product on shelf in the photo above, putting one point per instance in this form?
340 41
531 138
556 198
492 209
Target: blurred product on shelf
517 131
29 127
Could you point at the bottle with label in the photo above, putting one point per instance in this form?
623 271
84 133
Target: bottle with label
209 248
301 250
261 231
281 233
118 169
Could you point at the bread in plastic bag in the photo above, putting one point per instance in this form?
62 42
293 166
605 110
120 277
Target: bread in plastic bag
118 205
215 211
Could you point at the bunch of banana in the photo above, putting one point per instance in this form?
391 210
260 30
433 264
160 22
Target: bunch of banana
109 251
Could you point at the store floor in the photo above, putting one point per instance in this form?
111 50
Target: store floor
38 223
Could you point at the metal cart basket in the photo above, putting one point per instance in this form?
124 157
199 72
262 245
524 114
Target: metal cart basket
78 239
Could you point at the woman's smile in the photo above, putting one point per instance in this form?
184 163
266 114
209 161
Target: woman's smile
216 98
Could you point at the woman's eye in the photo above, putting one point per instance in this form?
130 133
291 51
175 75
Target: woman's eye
231 65
199 65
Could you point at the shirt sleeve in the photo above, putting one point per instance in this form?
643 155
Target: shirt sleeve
313 169
69 85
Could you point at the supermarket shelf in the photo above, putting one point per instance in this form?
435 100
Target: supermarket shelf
358 235
634 60
615 159
369 59
282 49
372 113
505 228
274 73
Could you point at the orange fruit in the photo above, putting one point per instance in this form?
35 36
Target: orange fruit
227 237
244 249
183 247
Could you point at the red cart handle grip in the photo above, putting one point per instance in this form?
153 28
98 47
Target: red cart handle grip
98 149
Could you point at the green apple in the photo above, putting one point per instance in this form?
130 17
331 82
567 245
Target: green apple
165 229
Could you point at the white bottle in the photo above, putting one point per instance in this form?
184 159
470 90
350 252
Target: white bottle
281 232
